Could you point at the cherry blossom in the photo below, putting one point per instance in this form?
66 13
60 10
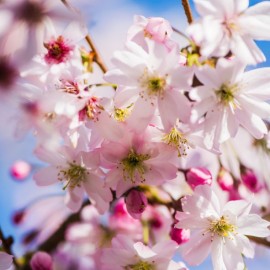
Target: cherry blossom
231 26
220 230
233 99
79 172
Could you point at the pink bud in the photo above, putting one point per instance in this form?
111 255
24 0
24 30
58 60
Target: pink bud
20 170
225 179
18 217
234 195
159 29
198 176
136 203
180 236
251 181
41 261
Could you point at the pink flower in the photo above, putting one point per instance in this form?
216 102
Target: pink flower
41 261
198 176
136 203
155 28
135 160
219 230
79 171
231 26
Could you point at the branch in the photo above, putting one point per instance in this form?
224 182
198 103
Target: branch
97 58
260 241
186 6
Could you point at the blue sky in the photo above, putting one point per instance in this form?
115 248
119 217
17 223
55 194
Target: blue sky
14 195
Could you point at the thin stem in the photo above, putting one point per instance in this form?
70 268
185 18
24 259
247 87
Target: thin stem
6 244
97 58
186 6
180 33
146 232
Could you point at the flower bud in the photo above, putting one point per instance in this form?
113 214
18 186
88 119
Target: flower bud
198 176
251 181
225 179
180 236
158 29
20 170
136 203
18 217
41 261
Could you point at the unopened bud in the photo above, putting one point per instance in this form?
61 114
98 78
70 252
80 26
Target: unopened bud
251 181
20 170
180 236
18 217
225 179
41 261
136 203
198 176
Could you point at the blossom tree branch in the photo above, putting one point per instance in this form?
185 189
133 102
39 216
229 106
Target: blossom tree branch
186 6
96 55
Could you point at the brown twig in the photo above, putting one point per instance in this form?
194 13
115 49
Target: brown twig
186 6
260 241
97 58
6 244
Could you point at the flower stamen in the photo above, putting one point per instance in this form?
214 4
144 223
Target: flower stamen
132 164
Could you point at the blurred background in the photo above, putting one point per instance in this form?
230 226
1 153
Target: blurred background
108 22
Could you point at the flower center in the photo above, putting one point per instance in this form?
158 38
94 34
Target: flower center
120 115
176 139
74 175
156 85
132 164
140 266
153 85
230 27
92 110
225 94
222 227
58 51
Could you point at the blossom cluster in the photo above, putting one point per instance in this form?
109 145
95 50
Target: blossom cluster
156 155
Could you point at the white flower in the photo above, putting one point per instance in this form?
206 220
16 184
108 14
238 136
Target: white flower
152 80
229 25
221 231
229 98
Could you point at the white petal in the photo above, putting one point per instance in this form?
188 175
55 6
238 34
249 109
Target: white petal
238 208
197 248
253 225
246 50
252 123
